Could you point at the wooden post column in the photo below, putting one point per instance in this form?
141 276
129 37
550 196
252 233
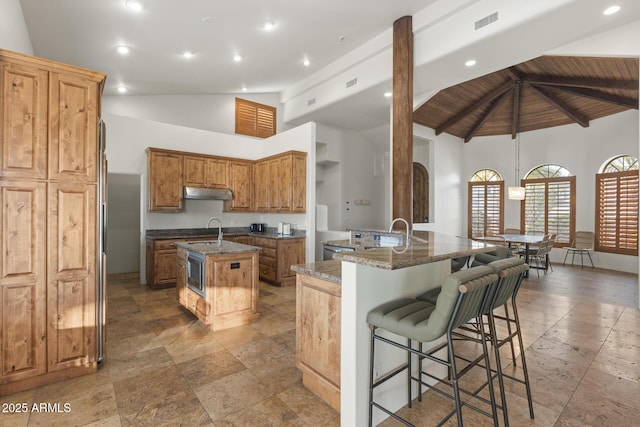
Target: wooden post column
402 158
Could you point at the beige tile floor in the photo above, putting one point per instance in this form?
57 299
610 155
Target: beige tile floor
165 368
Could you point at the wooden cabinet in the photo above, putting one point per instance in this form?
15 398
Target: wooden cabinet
276 258
71 275
165 170
244 239
201 171
161 261
181 279
231 292
241 184
318 327
274 184
48 221
23 109
23 261
280 183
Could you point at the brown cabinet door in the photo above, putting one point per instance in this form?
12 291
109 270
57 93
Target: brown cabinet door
285 183
165 267
22 280
194 171
164 172
261 180
73 121
290 252
217 173
274 185
181 279
71 311
240 182
23 111
299 183
235 285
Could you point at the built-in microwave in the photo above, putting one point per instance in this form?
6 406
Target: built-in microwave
196 273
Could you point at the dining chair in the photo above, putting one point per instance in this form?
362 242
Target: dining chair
583 243
538 255
513 247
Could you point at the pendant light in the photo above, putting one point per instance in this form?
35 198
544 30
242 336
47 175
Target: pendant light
517 192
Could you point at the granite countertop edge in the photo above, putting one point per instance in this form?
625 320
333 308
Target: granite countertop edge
330 271
185 233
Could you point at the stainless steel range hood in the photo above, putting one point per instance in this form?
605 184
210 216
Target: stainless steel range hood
198 193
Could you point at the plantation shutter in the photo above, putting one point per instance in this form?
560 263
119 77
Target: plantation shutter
617 212
549 207
255 119
486 208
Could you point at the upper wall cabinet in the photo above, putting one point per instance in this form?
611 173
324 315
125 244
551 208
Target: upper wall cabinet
165 170
272 184
202 171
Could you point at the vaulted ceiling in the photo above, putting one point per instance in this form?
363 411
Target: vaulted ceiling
544 92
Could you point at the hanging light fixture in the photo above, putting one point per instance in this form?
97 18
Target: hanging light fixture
516 192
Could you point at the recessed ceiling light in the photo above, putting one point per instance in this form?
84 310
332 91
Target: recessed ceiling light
122 89
134 4
388 94
237 58
122 49
244 88
207 20
306 62
187 54
269 26
611 10
470 63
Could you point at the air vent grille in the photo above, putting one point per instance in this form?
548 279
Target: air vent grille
352 82
311 102
489 19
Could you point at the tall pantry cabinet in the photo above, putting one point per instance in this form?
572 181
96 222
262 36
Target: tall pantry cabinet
49 115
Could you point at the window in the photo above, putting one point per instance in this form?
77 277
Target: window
617 206
255 119
486 205
549 204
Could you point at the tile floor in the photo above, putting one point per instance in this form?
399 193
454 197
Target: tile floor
163 368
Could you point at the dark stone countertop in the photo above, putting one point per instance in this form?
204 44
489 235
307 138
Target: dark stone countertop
185 233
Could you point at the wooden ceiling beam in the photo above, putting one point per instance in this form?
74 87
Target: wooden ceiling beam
478 124
623 101
515 120
583 82
560 105
500 90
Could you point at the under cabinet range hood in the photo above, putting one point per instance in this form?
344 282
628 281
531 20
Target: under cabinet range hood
199 193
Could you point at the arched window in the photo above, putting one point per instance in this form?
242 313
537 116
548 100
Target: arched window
549 204
486 203
617 206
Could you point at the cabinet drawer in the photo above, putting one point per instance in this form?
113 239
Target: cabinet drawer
268 252
268 261
267 272
165 244
197 305
265 243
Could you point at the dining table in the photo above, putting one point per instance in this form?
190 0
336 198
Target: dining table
523 239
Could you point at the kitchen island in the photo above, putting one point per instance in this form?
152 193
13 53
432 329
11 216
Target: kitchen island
334 298
218 282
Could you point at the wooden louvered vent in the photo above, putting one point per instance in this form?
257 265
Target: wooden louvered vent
255 119
617 212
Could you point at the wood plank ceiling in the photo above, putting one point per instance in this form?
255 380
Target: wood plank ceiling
543 92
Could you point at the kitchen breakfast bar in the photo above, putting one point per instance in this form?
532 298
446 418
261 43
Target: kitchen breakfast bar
333 300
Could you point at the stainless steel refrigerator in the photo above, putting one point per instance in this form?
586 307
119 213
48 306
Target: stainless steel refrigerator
101 291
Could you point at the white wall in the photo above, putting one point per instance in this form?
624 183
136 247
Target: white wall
581 150
127 139
13 30
207 112
351 178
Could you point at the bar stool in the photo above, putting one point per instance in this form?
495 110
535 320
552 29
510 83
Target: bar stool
461 299
511 272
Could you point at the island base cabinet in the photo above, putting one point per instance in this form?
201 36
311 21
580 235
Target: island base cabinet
231 293
318 324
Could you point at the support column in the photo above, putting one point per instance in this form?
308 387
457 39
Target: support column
402 123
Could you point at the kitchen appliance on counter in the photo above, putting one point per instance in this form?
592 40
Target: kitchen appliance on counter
258 227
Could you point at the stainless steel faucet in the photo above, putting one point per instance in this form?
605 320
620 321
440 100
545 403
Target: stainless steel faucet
405 223
219 228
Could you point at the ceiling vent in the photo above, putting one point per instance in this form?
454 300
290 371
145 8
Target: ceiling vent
352 82
311 102
489 19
